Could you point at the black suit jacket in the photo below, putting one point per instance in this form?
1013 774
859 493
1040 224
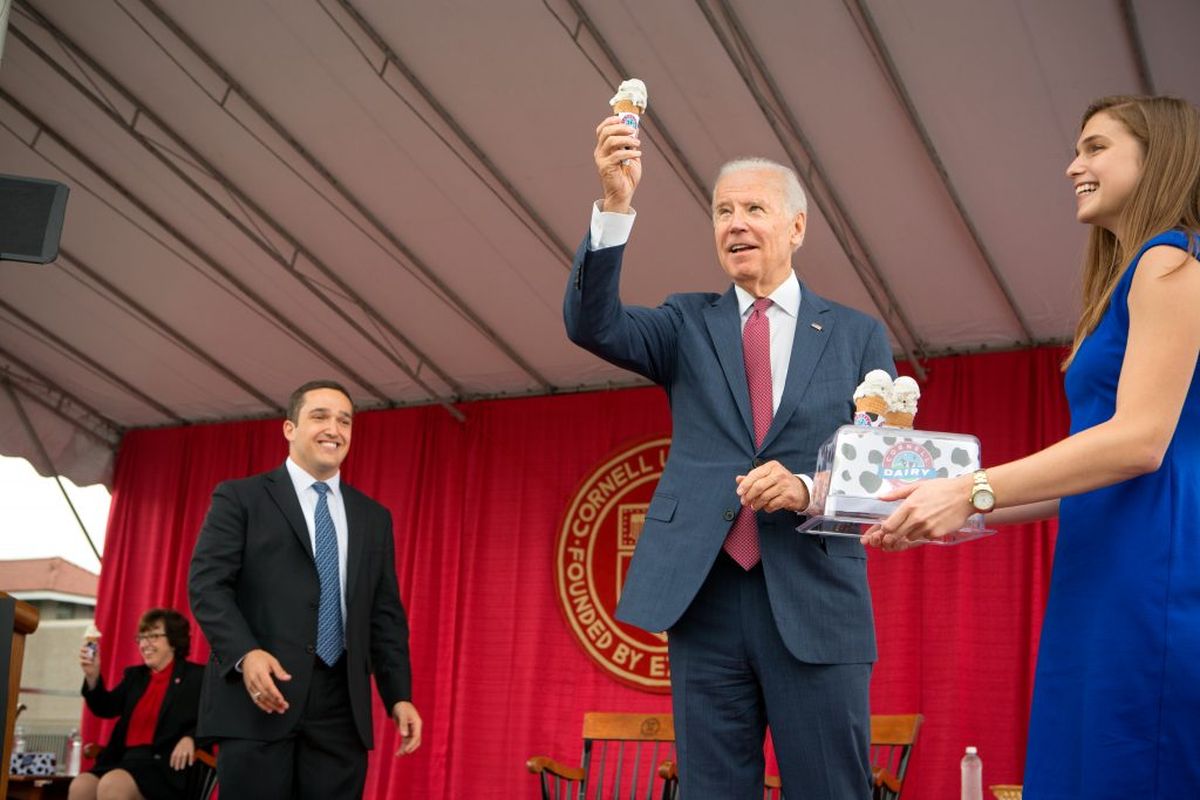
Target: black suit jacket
176 718
253 584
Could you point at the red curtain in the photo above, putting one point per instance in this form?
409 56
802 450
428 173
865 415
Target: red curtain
477 506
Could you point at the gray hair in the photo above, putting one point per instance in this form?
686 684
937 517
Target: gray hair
793 193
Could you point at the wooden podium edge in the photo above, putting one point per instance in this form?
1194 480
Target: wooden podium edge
18 619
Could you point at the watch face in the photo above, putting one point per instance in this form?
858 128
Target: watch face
983 500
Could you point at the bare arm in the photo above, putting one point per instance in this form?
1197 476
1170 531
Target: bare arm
1030 512
1160 359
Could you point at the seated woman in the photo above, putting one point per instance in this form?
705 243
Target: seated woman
156 704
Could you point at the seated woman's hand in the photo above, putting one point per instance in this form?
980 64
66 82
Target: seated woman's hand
90 665
184 753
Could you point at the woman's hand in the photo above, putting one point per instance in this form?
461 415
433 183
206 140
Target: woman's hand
90 665
184 753
931 509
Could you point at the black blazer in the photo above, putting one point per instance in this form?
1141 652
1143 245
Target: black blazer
176 718
253 584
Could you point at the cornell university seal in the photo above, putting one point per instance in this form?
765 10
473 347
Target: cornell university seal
599 531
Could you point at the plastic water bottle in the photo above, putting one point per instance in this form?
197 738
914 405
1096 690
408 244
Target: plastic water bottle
18 740
74 753
972 775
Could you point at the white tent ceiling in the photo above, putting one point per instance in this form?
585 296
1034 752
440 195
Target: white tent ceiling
388 191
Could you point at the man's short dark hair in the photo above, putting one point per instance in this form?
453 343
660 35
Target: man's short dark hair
175 625
297 398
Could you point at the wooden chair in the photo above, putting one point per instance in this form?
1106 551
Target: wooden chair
892 740
201 777
622 756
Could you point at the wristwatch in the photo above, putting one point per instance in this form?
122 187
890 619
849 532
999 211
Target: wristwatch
983 499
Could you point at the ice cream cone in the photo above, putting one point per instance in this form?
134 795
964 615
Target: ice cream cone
871 404
902 404
629 103
91 639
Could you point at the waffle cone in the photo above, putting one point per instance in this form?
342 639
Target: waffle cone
871 404
627 106
898 419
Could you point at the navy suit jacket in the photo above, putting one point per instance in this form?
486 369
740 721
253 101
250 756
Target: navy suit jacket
691 345
253 584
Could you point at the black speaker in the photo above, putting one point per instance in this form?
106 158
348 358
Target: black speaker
31 218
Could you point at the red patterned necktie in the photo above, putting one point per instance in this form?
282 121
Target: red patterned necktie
742 541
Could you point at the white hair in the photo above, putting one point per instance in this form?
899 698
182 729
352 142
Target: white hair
794 198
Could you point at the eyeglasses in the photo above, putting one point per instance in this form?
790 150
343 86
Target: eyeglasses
148 637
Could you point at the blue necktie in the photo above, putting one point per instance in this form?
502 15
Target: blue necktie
329 613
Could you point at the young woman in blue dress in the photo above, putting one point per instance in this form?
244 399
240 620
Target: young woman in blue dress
1117 690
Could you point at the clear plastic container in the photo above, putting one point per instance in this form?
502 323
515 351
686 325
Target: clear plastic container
858 464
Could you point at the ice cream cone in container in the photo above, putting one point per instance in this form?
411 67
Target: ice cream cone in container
902 404
629 103
871 398
871 404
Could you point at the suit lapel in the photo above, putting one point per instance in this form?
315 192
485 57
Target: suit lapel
178 666
725 330
355 537
283 492
807 347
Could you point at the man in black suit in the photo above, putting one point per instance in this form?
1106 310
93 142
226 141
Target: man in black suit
293 583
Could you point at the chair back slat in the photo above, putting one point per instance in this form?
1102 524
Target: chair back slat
635 771
595 774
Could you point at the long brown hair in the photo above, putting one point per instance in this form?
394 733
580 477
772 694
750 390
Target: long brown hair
1166 195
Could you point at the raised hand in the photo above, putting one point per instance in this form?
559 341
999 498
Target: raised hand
618 158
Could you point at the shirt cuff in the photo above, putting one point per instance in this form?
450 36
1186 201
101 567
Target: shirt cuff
808 485
609 228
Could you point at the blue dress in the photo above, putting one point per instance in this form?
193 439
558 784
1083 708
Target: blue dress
1116 702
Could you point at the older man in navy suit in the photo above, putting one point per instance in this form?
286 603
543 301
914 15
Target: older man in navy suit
767 626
